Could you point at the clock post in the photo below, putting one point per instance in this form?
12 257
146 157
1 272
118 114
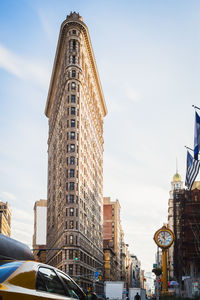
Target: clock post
164 271
164 238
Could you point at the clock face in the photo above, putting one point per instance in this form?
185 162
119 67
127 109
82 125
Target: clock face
164 238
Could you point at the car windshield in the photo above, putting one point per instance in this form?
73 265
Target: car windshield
73 290
7 268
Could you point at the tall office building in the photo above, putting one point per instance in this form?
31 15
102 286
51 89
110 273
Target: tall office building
76 109
176 187
40 231
5 218
112 234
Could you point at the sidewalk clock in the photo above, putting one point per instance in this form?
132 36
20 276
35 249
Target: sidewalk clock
164 237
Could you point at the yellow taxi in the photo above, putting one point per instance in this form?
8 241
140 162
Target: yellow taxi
31 280
20 280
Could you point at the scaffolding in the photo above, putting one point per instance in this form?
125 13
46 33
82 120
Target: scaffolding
186 208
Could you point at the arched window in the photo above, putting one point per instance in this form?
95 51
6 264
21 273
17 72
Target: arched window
71 173
72 135
71 187
73 73
73 86
72 123
71 224
71 198
73 59
72 147
73 110
72 160
71 211
74 44
73 98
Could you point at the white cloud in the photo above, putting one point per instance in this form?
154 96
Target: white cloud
7 196
22 215
133 95
22 226
47 25
24 68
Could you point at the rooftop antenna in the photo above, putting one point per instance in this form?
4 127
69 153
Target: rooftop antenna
176 165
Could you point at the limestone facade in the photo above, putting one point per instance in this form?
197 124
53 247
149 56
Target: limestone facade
76 109
5 219
176 185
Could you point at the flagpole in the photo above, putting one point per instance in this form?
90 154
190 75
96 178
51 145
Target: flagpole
189 148
196 107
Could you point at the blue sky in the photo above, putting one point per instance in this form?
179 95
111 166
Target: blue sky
148 57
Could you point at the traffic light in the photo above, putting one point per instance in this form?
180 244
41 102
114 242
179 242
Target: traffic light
76 255
100 277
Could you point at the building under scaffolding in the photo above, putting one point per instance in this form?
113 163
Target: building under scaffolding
186 207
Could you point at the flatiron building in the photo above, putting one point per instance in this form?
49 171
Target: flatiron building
75 108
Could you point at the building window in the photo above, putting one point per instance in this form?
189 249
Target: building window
71 225
66 212
71 239
71 173
71 211
71 186
66 225
72 160
72 147
71 270
73 73
73 86
71 198
76 266
70 254
73 31
72 135
72 123
73 59
73 98
74 44
73 110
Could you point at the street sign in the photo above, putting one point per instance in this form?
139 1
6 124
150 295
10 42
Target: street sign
96 275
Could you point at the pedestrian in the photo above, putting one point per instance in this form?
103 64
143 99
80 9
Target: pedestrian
137 297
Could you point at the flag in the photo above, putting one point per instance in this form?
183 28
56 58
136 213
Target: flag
196 135
192 170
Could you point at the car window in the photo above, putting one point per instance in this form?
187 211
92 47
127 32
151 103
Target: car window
48 281
7 268
73 290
